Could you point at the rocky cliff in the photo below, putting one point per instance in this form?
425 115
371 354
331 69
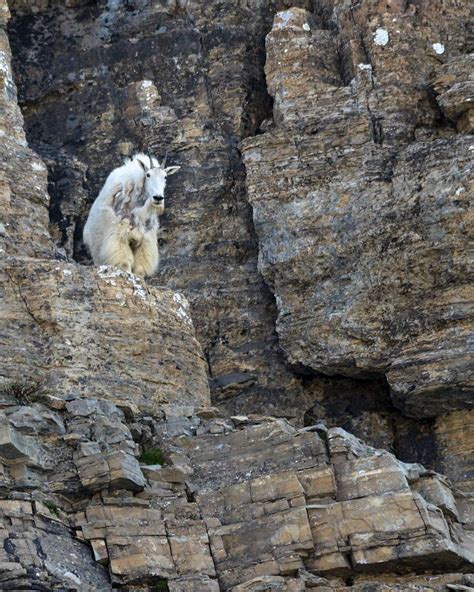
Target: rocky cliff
287 405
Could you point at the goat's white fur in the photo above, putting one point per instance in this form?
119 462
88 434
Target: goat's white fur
122 227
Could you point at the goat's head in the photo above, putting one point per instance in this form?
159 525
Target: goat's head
155 180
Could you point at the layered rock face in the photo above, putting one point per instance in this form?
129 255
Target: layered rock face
115 472
88 332
98 81
361 194
242 504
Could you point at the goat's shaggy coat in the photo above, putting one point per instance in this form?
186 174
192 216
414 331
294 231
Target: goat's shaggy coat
122 227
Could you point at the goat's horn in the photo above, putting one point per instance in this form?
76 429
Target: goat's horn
163 164
149 156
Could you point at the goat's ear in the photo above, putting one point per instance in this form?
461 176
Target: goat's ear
171 170
141 164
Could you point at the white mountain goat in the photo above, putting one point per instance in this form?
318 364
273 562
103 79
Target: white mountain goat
122 227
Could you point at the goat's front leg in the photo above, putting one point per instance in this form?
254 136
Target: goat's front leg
116 249
146 256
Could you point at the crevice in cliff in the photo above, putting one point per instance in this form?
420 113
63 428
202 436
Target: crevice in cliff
256 106
364 408
17 286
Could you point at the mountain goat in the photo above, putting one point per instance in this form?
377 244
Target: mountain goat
122 227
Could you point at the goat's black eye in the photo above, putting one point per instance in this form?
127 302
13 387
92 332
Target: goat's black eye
148 174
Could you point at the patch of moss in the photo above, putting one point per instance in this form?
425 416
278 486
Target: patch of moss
52 507
161 586
153 456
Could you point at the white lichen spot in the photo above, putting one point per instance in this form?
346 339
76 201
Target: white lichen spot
147 83
365 67
138 289
180 299
306 27
381 37
253 156
113 4
460 190
439 48
67 272
120 298
5 65
108 272
283 18
37 166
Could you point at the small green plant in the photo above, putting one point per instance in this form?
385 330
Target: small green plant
154 456
161 586
52 507
323 435
25 392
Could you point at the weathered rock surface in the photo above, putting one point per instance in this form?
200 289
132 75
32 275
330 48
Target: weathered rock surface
23 196
120 338
99 368
454 86
361 197
324 501
259 504
198 89
454 434
39 552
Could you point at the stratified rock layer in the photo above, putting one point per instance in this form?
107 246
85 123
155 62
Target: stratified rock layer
240 502
99 332
100 80
361 198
